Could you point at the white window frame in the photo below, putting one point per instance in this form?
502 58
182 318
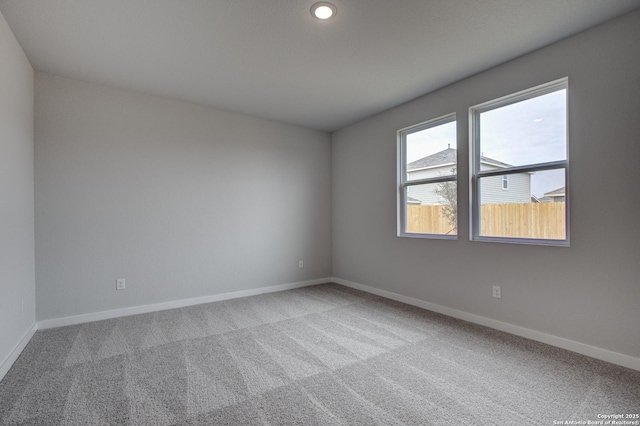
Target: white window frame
505 180
403 184
476 173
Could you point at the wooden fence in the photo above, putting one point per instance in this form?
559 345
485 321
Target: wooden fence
521 220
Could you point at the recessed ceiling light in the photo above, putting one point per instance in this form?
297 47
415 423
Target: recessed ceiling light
323 10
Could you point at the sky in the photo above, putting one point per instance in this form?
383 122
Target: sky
527 132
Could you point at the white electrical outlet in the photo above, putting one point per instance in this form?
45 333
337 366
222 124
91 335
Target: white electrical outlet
497 292
300 264
120 284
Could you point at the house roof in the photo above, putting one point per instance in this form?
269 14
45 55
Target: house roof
555 193
447 156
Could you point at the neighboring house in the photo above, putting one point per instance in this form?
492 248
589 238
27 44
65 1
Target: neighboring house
555 196
515 188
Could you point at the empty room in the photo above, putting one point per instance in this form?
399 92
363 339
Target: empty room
301 212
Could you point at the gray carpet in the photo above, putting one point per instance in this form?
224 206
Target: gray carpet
322 355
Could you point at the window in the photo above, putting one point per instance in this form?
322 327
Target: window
519 143
427 181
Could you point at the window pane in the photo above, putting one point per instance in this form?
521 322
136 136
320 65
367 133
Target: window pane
431 152
505 182
432 208
533 207
527 132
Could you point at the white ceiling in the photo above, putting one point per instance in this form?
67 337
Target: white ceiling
271 59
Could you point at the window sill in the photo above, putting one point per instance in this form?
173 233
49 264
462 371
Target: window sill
524 241
428 236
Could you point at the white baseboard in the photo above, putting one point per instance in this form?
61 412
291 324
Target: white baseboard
134 310
560 342
17 350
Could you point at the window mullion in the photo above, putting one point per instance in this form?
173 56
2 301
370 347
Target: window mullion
438 179
523 169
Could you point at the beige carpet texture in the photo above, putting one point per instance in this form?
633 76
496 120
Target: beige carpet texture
320 355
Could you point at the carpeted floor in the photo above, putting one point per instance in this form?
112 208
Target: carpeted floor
321 355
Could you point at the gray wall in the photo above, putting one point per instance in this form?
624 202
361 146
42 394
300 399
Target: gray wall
180 200
588 292
17 282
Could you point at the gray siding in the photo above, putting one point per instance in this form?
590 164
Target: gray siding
519 191
426 194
